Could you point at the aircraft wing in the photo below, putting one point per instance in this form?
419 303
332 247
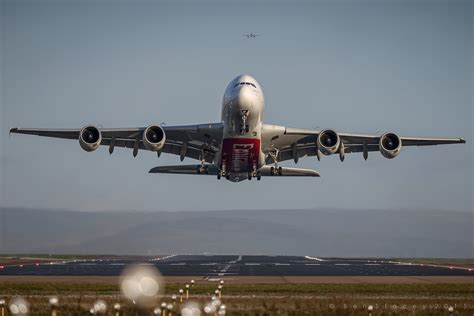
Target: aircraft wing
186 140
294 143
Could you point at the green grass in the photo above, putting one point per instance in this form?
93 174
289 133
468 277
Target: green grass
263 299
30 288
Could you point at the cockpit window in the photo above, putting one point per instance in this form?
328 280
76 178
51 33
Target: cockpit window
245 83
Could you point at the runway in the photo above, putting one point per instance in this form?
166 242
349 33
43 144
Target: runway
209 267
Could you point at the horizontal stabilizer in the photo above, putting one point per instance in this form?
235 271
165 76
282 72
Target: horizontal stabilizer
266 171
288 172
185 169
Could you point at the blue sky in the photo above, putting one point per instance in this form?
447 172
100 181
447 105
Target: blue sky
354 66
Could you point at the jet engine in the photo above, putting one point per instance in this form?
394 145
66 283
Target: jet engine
390 145
154 138
90 138
328 142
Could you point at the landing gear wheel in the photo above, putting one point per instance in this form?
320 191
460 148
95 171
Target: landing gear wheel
272 171
219 175
280 171
249 176
259 175
227 176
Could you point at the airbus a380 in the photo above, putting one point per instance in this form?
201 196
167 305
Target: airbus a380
240 146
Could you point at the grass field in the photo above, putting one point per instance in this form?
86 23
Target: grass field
265 299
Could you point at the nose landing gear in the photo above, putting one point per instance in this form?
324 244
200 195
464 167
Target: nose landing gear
244 127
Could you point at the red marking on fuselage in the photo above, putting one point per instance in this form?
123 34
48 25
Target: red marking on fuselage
240 155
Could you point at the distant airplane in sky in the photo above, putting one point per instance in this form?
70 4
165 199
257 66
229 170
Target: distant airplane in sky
240 146
251 35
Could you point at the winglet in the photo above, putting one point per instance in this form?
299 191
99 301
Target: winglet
12 130
462 140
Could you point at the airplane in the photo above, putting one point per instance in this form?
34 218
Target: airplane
240 146
251 35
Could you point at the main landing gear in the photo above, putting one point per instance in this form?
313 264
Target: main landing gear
254 174
276 170
222 172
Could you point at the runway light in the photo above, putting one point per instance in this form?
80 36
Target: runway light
53 303
163 308
141 284
2 307
192 283
209 308
187 290
450 309
117 309
191 309
222 282
181 295
19 306
370 308
100 307
169 307
157 311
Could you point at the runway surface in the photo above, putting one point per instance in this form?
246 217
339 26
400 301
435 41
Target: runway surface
234 265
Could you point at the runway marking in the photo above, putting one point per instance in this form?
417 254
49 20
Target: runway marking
281 264
178 264
371 264
313 258
312 264
223 274
342 264
209 264
252 264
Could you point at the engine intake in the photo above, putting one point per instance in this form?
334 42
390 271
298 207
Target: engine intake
90 138
154 138
390 145
328 142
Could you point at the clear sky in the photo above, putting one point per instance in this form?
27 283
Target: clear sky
354 66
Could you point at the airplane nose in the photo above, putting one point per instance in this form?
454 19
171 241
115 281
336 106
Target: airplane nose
244 98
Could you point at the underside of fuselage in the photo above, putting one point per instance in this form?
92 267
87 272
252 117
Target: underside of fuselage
240 155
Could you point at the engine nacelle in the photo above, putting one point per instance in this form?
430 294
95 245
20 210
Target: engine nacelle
90 138
390 145
328 142
154 138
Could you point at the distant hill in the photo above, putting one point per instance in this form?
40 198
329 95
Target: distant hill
343 233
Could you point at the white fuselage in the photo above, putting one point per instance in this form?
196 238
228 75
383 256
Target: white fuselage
242 110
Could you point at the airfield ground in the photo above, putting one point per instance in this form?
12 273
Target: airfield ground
254 285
